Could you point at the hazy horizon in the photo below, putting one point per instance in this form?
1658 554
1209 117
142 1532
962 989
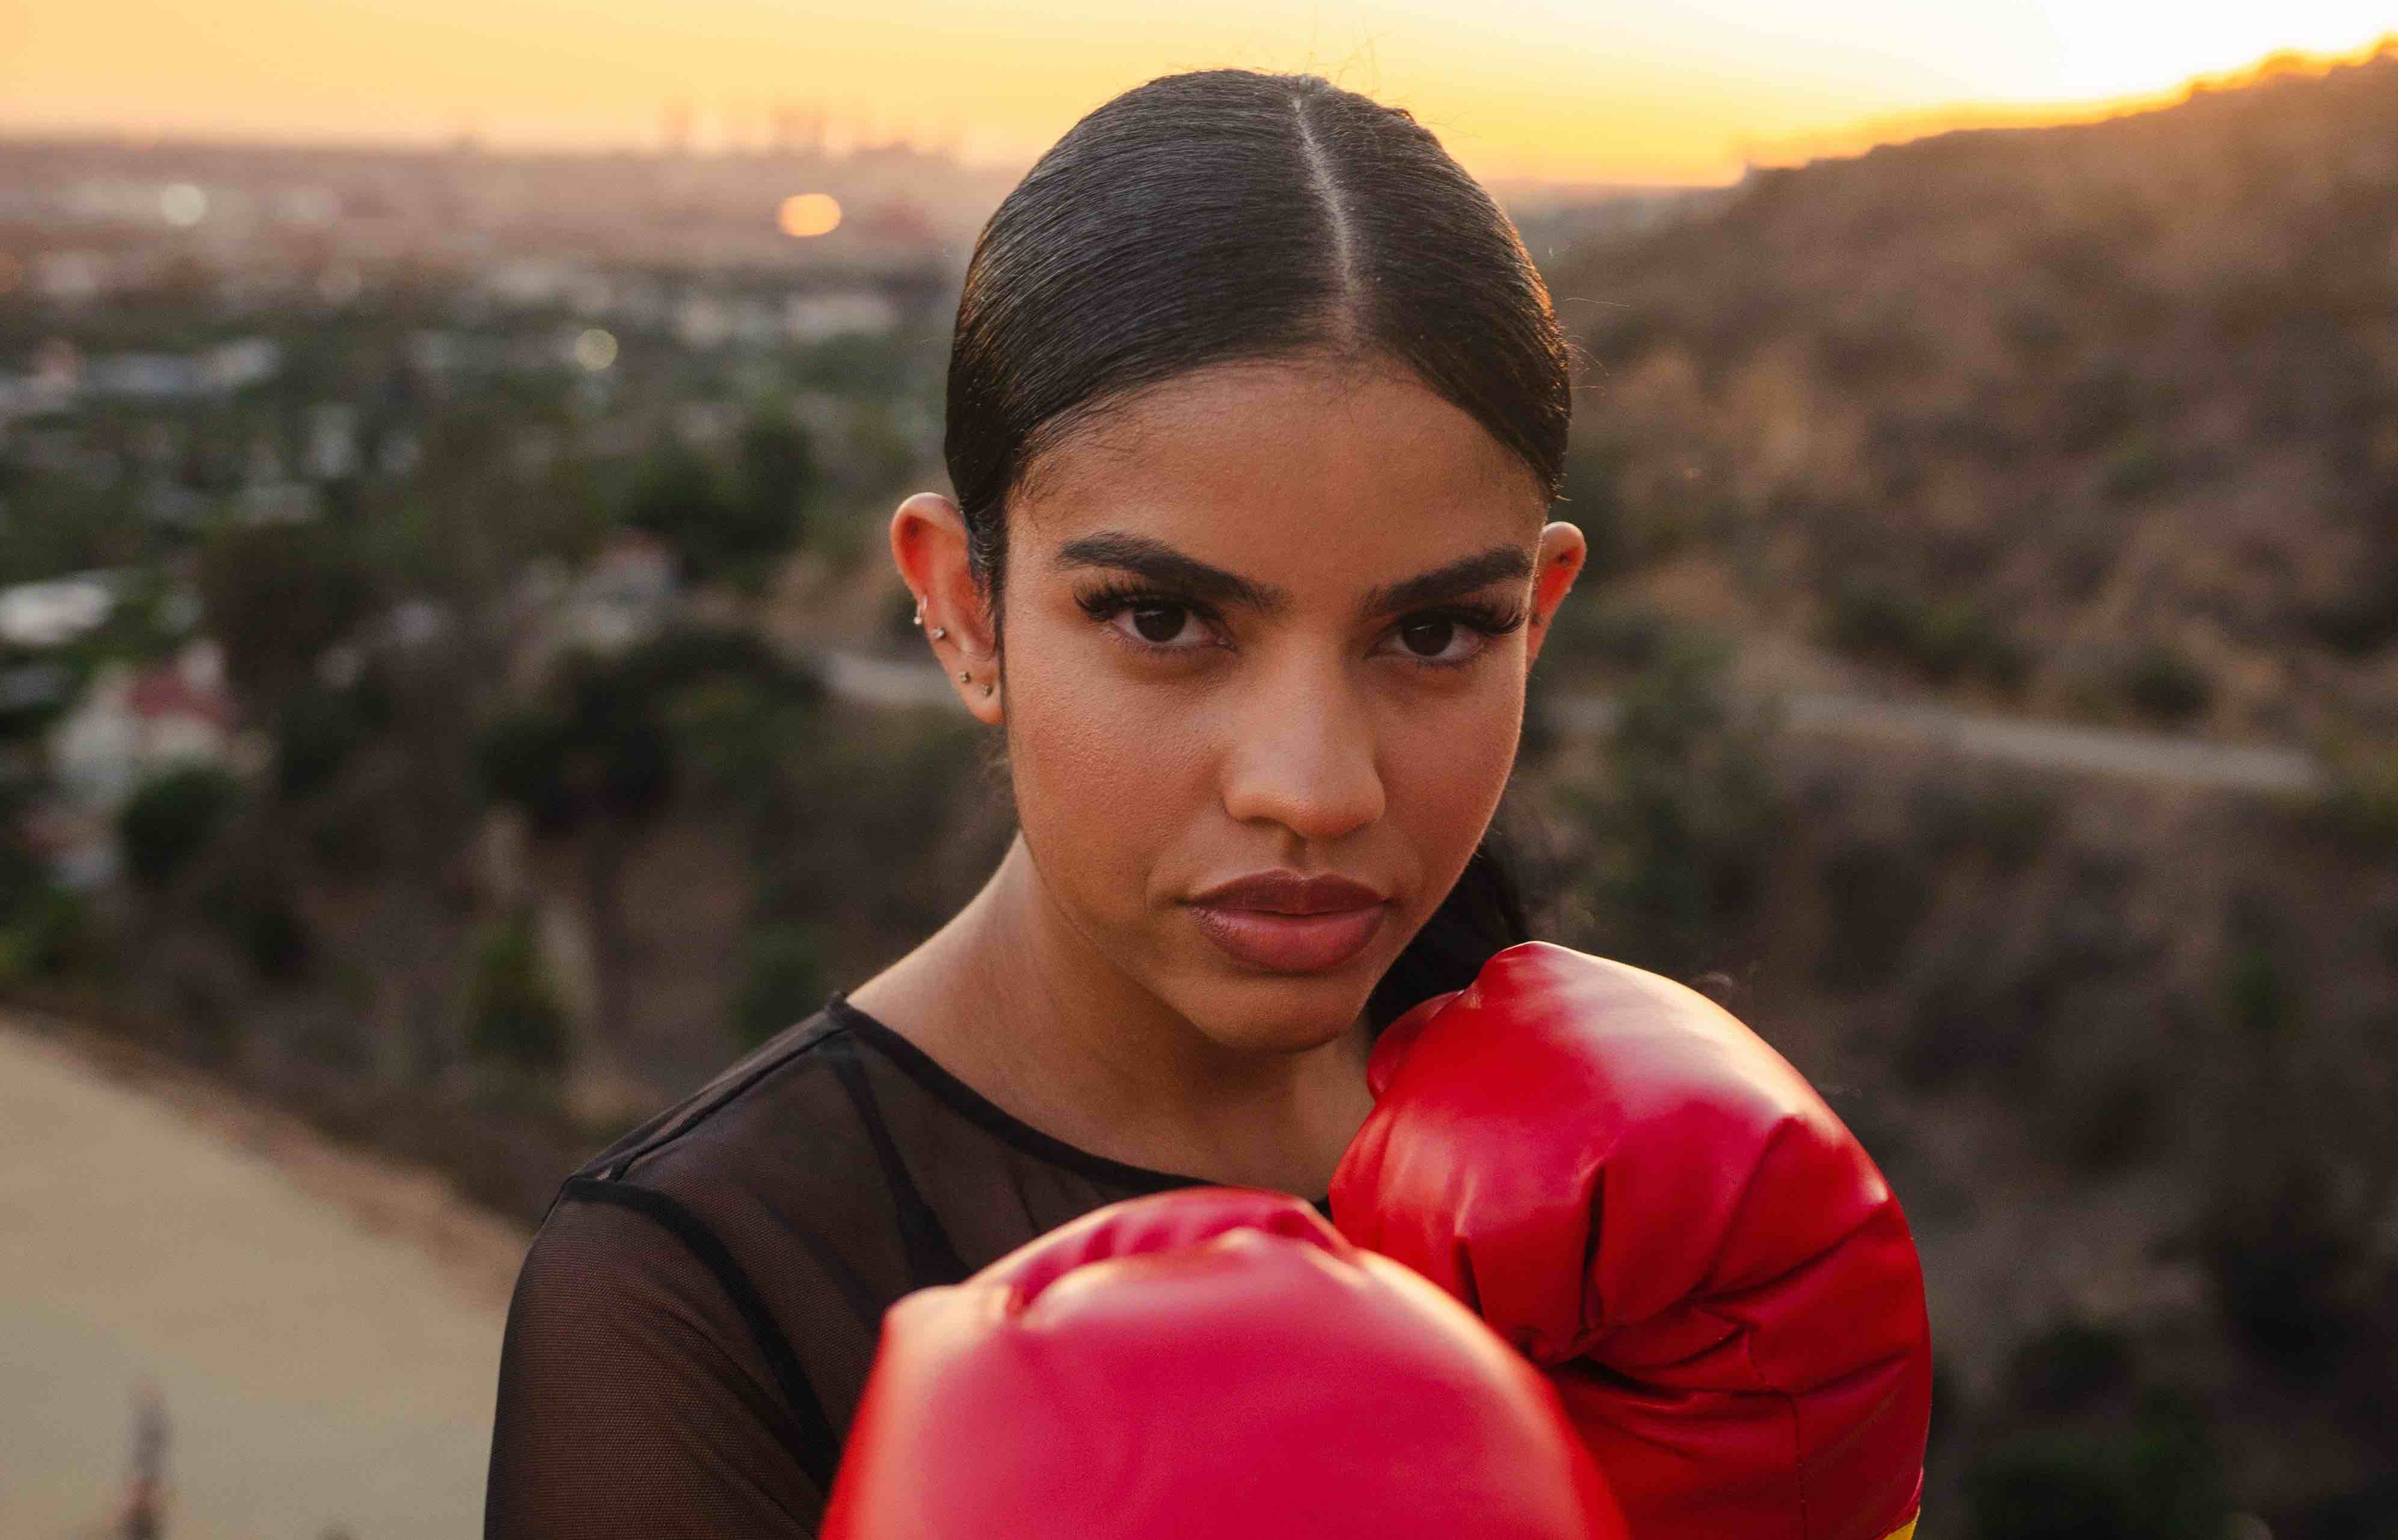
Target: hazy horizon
1678 92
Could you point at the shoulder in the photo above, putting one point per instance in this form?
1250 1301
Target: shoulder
666 1177
694 1245
781 1147
800 1162
715 1115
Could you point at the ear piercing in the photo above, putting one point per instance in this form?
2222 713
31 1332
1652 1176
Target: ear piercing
965 675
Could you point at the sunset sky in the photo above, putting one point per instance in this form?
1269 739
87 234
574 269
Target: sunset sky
1632 90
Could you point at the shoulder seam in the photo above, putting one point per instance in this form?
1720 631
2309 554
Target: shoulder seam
818 1449
703 1106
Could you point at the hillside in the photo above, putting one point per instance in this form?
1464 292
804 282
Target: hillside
2097 422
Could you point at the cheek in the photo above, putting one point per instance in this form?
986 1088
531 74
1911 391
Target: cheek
1105 780
1444 772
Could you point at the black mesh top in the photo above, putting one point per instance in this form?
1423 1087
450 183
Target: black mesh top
694 1320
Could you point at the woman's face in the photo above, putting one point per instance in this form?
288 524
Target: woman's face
1268 619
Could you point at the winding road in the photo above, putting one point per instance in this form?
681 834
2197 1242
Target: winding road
2062 746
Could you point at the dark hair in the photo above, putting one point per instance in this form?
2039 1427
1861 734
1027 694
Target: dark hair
1228 216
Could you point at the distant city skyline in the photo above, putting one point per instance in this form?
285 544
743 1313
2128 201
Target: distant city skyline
1591 92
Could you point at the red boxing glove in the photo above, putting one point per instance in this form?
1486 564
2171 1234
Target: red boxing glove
1208 1362
1631 1186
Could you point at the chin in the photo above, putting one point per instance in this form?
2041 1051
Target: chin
1291 1015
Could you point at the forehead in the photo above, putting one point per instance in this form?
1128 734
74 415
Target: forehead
1319 477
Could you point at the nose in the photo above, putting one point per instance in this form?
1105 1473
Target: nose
1303 755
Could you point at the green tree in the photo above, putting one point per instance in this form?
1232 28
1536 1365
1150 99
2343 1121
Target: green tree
732 526
316 732
599 759
170 818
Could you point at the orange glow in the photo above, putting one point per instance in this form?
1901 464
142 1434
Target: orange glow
806 214
1897 129
1569 91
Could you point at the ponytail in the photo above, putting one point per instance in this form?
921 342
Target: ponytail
1485 913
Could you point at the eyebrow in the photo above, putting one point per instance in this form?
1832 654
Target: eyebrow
1167 566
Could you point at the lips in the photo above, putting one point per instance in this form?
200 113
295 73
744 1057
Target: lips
1285 923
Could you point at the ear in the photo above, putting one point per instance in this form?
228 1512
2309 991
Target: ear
928 545
1556 565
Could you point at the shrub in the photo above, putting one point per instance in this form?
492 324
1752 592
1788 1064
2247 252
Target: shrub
784 977
1613 635
2054 1487
315 734
2359 800
2071 1367
1624 534
2363 617
2256 996
253 905
170 818
2158 1478
2103 1120
1877 895
2016 819
1943 640
513 1016
2138 470
2163 685
48 933
277 595
1687 812
2279 1251
521 759
21 878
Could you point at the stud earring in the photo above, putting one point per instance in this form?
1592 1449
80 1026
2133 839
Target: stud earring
940 632
986 689
964 677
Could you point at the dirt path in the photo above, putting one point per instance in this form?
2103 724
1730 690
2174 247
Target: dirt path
323 1331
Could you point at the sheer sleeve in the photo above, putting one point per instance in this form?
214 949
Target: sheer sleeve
698 1314
635 1396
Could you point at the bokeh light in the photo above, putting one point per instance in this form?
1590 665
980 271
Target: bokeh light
806 214
182 205
595 349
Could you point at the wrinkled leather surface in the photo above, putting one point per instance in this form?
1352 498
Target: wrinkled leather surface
1208 1362
1645 1199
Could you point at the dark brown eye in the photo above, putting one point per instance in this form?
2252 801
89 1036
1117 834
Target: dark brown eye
1159 622
1430 635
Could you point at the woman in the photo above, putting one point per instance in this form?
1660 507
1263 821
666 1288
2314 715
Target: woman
1255 408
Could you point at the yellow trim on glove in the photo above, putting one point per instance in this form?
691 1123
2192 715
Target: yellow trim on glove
1904 1531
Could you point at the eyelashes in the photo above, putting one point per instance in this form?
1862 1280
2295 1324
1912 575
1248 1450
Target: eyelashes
1485 620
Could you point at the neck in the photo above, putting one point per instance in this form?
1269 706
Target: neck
1012 999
